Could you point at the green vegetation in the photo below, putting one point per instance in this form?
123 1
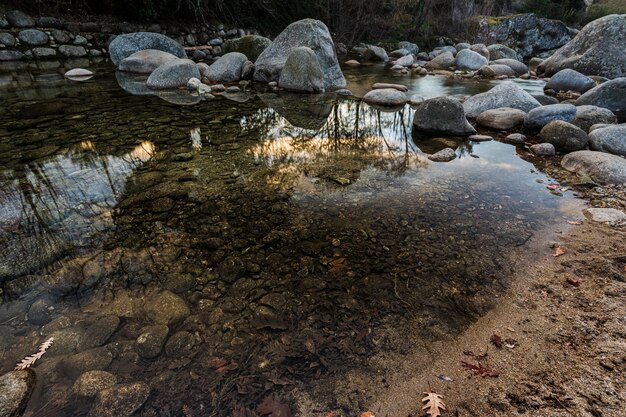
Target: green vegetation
604 8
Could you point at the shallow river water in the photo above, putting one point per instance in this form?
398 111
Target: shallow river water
249 246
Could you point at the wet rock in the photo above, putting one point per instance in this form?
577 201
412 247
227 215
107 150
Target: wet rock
564 136
605 215
15 390
487 71
352 63
250 45
602 167
302 72
515 139
7 39
416 100
519 67
609 95
480 138
82 336
19 19
504 95
33 37
409 46
127 44
227 69
442 61
611 139
386 97
44 52
72 51
89 384
310 33
499 51
469 60
40 312
96 359
570 80
541 116
543 149
444 155
231 269
462 45
375 53
398 53
180 344
587 116
145 61
166 308
120 400
382 86
173 74
546 100
597 50
61 36
442 115
151 341
179 283
501 119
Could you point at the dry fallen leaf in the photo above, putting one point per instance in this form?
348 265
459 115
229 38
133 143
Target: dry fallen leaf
481 369
368 414
434 404
28 361
559 250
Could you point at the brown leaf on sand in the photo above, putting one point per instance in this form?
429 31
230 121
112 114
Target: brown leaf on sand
575 222
559 250
269 407
481 369
496 341
434 404
367 414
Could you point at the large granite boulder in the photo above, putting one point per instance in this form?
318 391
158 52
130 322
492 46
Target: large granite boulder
250 45
442 115
469 60
597 50
310 33
173 74
409 46
499 51
302 72
541 116
506 94
570 80
564 136
611 139
599 166
528 34
610 95
504 118
127 44
145 61
587 116
441 62
15 390
227 69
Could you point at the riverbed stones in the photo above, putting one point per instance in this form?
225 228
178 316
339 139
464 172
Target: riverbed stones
8 55
411 47
398 53
166 308
444 60
467 60
442 115
515 139
180 345
40 312
16 387
611 139
504 118
609 95
302 72
19 19
33 37
564 136
587 116
570 80
120 400
96 359
519 67
7 39
605 215
597 50
503 95
82 336
227 69
543 149
127 44
151 341
310 33
388 97
145 61
90 383
173 74
406 61
444 155
541 116
481 48
72 51
250 45
499 51
601 167
375 53
501 70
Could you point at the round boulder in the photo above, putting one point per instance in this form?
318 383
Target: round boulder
506 94
570 80
610 95
388 97
480 48
227 69
173 74
375 53
444 155
543 149
16 387
442 115
601 167
541 116
564 136
33 37
587 116
145 61
127 44
91 383
19 19
519 67
120 400
501 119
611 139
302 72
469 60
442 61
499 51
151 341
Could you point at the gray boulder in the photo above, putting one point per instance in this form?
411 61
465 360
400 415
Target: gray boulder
145 61
442 61
541 116
597 50
227 69
16 387
611 139
570 80
19 19
398 53
302 72
564 136
72 51
462 45
308 32
501 69
388 97
173 74
444 155
610 95
250 45
481 48
33 37
546 100
601 167
501 119
499 51
409 46
7 39
543 149
442 115
519 67
127 44
406 61
375 53
469 60
587 116
515 139
506 94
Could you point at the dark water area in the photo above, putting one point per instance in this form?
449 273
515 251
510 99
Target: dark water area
256 244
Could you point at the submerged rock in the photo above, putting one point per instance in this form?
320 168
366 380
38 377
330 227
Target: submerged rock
444 155
145 61
611 139
504 95
442 115
302 72
127 44
151 341
120 400
166 308
15 390
601 167
91 383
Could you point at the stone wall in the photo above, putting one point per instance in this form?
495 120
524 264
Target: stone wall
23 37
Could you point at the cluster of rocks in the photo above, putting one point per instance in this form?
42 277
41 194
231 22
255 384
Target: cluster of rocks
24 37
